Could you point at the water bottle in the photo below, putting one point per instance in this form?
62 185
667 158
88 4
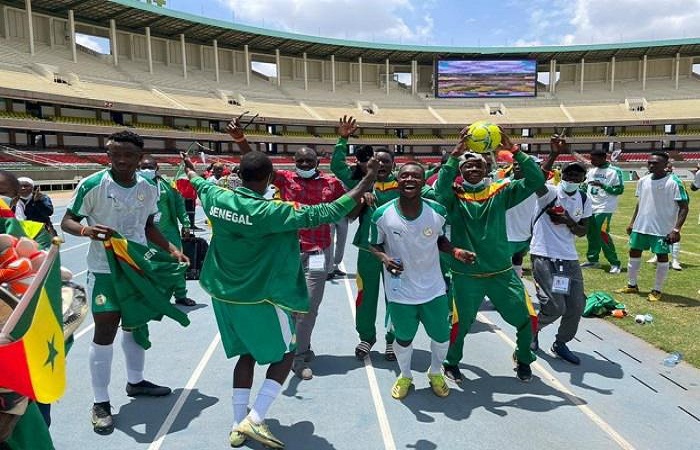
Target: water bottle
673 359
395 280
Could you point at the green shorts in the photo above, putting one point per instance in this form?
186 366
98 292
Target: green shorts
434 315
262 330
101 292
519 247
656 244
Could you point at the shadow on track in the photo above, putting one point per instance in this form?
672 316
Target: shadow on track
148 414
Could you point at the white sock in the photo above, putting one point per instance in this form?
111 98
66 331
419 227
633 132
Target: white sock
240 401
100 357
661 272
403 357
676 251
633 270
266 395
135 358
438 352
518 270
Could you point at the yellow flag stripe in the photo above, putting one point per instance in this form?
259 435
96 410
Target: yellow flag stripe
484 194
46 355
120 250
528 302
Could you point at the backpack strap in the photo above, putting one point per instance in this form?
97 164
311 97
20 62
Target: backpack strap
542 211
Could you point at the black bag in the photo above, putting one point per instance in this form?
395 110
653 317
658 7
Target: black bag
196 250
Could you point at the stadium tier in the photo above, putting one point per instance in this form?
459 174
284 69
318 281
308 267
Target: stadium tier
182 78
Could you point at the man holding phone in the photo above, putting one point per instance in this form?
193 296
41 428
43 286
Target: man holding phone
37 206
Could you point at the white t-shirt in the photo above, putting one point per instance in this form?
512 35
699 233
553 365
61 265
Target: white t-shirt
101 200
19 210
658 207
601 201
519 219
696 180
415 243
557 241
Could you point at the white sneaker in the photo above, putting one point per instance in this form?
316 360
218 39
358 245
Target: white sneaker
615 269
652 260
590 265
675 265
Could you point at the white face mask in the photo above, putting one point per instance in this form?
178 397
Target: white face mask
475 186
306 173
569 187
148 174
270 192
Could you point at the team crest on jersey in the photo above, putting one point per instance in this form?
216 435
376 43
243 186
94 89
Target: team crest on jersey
100 299
140 197
578 212
427 232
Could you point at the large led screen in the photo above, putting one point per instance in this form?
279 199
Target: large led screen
487 79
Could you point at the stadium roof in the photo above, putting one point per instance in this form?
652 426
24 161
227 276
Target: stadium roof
134 16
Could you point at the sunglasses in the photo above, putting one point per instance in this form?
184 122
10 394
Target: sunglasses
252 119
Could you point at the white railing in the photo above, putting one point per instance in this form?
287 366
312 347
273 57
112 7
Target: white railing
37 159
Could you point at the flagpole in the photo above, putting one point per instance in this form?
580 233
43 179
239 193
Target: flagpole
37 283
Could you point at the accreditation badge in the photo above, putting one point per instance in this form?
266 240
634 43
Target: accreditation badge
317 262
560 284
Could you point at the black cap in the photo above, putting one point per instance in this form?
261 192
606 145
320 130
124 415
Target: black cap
574 167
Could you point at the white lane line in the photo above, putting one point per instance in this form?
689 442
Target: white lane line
82 332
384 426
558 385
162 432
75 246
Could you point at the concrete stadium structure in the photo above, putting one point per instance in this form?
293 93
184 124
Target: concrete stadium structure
178 78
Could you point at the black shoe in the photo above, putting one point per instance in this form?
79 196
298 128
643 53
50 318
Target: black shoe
453 373
102 422
339 273
146 388
363 348
535 344
389 354
330 276
562 351
522 370
185 301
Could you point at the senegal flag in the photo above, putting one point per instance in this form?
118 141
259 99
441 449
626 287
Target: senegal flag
26 228
5 209
32 353
146 278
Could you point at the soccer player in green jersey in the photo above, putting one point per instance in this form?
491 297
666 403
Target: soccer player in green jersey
656 222
405 235
369 268
115 199
477 213
171 209
253 273
604 186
